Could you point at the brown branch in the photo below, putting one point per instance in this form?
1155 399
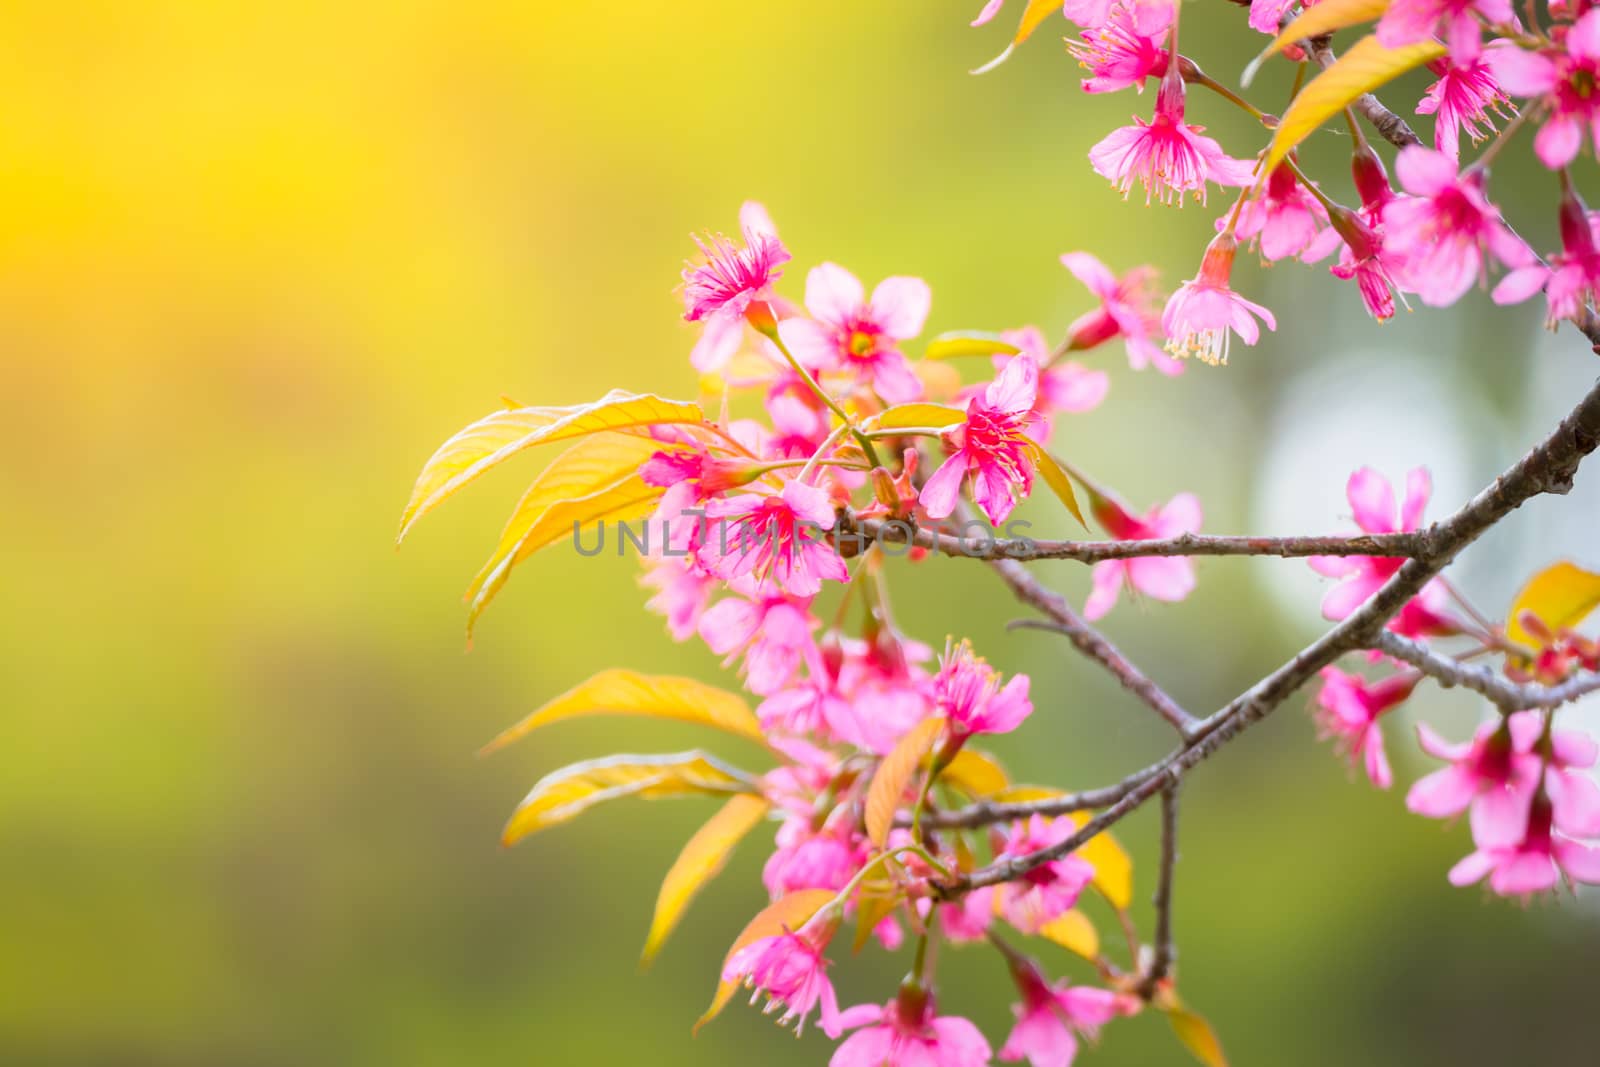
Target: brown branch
1548 468
1165 949
1390 127
1503 693
1023 549
988 812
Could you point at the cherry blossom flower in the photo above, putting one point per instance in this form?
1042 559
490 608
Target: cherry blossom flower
721 290
1562 79
1574 796
771 633
991 446
849 332
1348 709
1052 1017
1128 48
1266 16
683 592
1572 280
1166 155
1066 386
1534 863
1286 218
1168 578
969 918
1049 890
1455 21
807 858
1204 313
906 1033
1363 258
1372 500
790 970
778 537
1461 101
1444 232
967 692
1127 310
1495 774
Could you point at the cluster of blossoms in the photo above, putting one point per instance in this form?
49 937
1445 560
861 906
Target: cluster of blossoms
764 535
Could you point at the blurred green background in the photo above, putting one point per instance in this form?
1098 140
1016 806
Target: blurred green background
258 260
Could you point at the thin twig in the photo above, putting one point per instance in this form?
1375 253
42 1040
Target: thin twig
1165 949
1390 127
1504 694
988 812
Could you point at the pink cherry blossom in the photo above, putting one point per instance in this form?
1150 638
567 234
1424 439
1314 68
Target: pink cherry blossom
906 1033
683 592
772 634
1363 258
990 10
1372 500
808 858
1065 386
969 918
1455 21
1266 16
1168 578
1572 279
1166 155
1562 79
991 446
1445 232
1348 709
790 970
1049 890
733 277
1286 218
1495 774
1461 101
1127 310
1534 863
1204 314
1124 51
1052 1017
1574 796
778 537
849 332
968 693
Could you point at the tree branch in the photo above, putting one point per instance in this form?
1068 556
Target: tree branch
1165 950
1504 694
1548 468
1390 127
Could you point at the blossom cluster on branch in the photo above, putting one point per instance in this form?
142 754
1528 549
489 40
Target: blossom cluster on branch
851 430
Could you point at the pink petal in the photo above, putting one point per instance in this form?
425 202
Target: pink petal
1372 499
1500 817
1349 596
1181 515
1437 747
1443 794
1520 284
1573 748
1581 862
1576 800
943 489
1419 487
1524 873
1168 578
1471 869
1519 72
1422 171
990 10
753 218
894 380
1106 577
1583 40
1016 388
833 293
810 341
900 306
1558 141
1377 761
719 343
1095 275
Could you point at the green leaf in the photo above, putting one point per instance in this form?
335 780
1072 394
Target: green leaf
701 860
659 696
956 345
1326 17
569 792
1367 66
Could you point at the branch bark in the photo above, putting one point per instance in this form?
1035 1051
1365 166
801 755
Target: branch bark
1506 695
1165 948
1390 127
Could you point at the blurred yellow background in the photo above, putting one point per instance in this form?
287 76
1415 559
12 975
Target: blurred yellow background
257 260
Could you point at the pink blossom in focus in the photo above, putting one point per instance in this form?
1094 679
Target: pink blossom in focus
1444 232
967 692
1563 79
1066 386
1534 863
1363 258
1495 774
790 970
902 1034
848 332
991 446
1051 1017
1286 218
1168 578
1372 500
1572 279
1124 51
780 537
1049 890
1166 155
1127 310
1348 709
1461 101
1202 316
1454 21
721 289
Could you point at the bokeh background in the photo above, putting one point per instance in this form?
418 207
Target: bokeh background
257 260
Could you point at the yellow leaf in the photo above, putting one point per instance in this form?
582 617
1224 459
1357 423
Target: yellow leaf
570 791
975 774
1113 867
956 345
1024 794
1032 16
1057 480
786 913
1197 1036
1560 596
871 909
1324 18
936 416
701 860
497 437
894 774
652 696
1364 68
1074 932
